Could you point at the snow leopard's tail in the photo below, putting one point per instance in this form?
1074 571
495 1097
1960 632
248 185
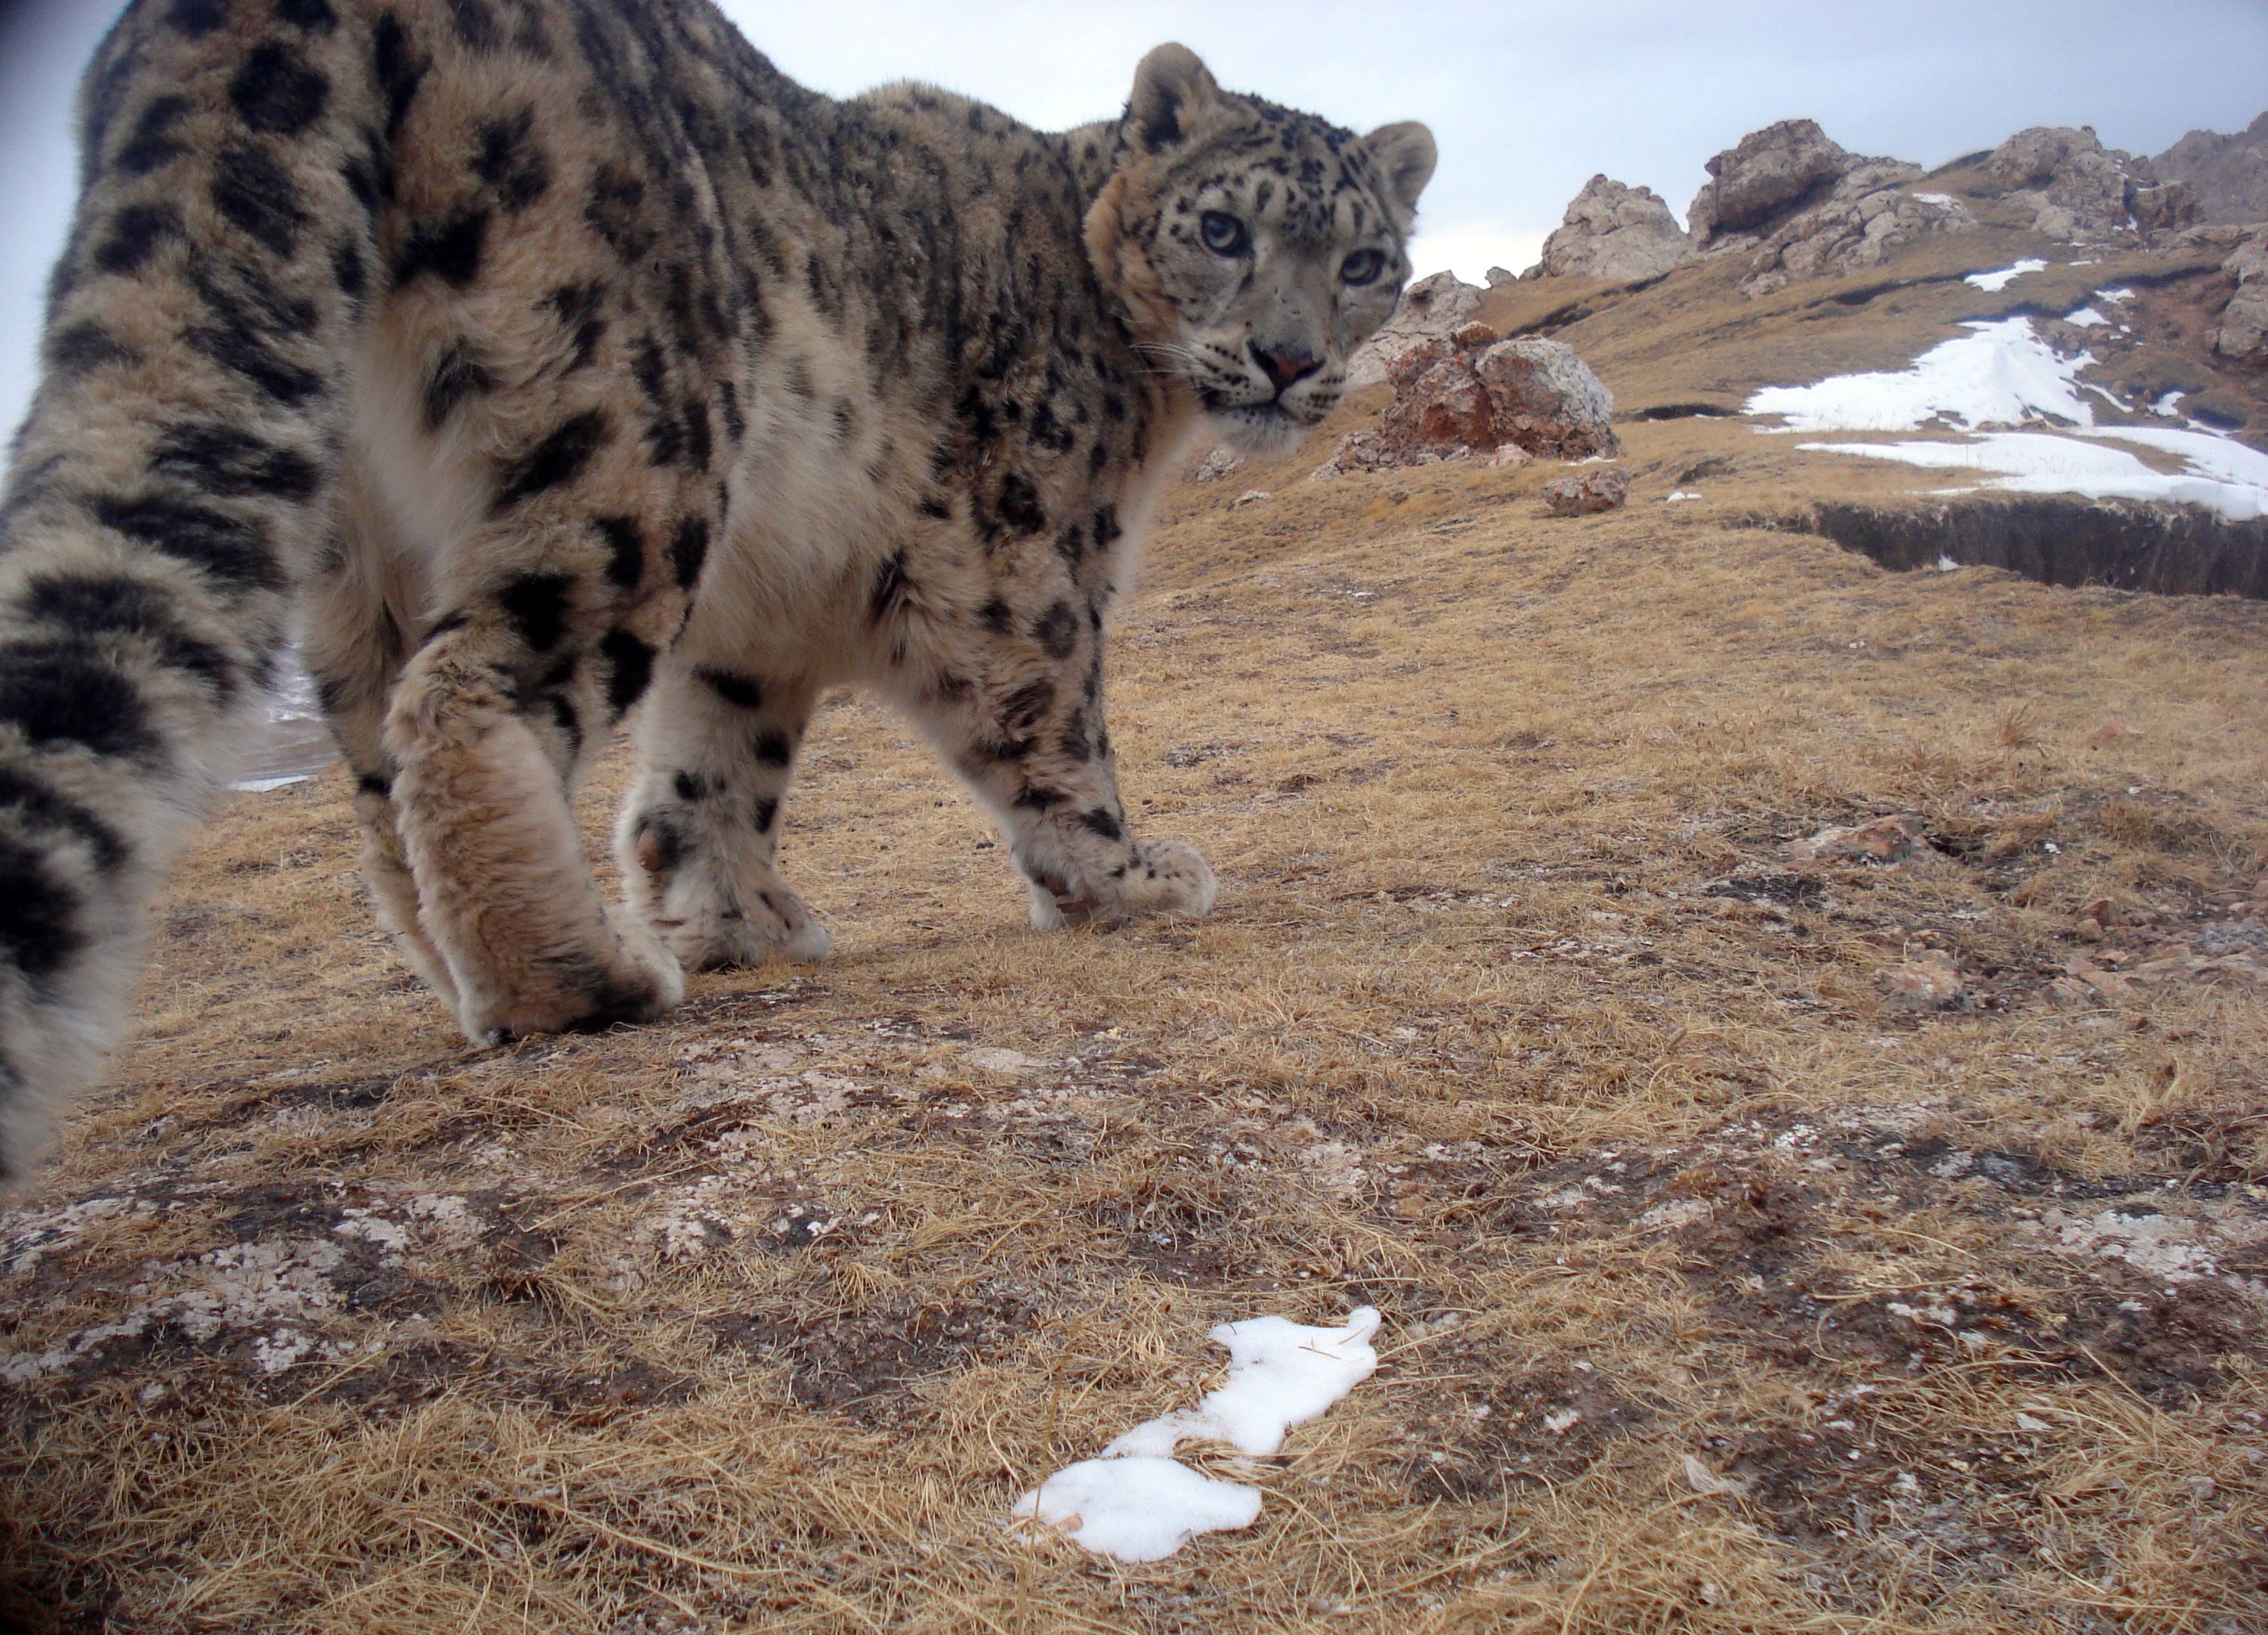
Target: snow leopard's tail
172 480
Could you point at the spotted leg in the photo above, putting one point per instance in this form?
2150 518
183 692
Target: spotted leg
1034 748
697 838
354 646
496 712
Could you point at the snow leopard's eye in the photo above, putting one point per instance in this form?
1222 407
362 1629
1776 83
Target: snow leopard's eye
1363 267
1223 233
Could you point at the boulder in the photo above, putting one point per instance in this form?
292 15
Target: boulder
2227 174
2243 332
2169 207
1429 308
1592 491
1856 228
1472 392
1546 399
1615 232
1217 464
1770 173
2077 190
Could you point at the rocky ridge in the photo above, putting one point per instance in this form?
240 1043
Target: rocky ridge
2229 174
1800 205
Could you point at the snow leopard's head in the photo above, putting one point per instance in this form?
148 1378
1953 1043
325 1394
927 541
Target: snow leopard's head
1254 246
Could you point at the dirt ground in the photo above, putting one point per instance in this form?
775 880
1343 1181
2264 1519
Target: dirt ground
1765 1243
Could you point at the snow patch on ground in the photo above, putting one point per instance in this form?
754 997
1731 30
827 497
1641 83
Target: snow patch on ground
2003 374
2038 462
1136 1503
2006 374
1993 283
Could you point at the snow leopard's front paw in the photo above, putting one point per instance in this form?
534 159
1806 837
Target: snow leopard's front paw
1163 876
720 931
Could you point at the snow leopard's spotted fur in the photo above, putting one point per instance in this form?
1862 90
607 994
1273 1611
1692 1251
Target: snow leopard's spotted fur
558 355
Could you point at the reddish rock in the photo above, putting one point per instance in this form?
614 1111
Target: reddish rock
1468 393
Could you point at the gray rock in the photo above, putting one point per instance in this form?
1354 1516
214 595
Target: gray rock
2243 332
1429 308
2229 174
1592 491
1855 229
1615 232
2077 190
1771 172
1544 399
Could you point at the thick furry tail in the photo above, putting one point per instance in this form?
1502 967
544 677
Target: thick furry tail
172 481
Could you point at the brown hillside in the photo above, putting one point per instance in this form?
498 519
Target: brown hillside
1518 1020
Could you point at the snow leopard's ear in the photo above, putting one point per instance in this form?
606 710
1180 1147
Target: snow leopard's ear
1406 156
1170 86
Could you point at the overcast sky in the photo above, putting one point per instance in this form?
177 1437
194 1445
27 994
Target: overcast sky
1527 97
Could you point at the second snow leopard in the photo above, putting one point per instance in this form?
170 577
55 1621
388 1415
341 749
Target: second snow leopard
556 359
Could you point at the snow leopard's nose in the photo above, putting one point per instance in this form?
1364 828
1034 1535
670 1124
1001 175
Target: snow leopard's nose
1284 366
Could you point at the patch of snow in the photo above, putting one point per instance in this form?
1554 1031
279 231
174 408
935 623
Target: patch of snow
1136 1503
1946 565
2084 318
1138 1509
1993 283
1677 494
2114 295
2165 405
2035 462
1280 1373
2209 455
1936 198
261 786
2003 374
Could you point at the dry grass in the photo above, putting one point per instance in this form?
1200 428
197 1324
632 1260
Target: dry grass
1514 1021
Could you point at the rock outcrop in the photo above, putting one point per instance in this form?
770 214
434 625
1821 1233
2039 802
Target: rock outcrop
2227 174
1615 232
1473 393
1868 213
1429 309
1771 172
1802 205
2243 332
2080 192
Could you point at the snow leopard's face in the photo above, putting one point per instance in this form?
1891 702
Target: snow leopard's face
1256 246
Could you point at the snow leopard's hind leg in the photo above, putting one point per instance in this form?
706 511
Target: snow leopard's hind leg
506 700
358 608
167 489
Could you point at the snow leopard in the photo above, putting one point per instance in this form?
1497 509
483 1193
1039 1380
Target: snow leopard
544 365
